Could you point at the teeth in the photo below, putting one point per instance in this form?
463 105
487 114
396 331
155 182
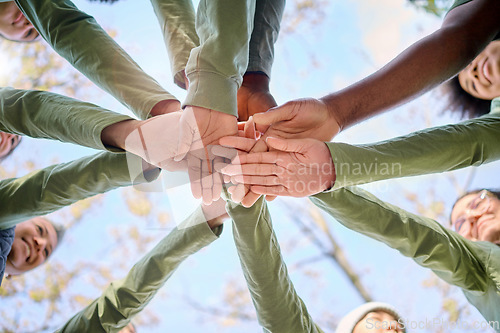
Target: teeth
28 250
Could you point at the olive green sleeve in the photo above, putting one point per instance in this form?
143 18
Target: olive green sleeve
42 114
78 38
177 21
124 298
47 190
469 143
215 68
453 258
279 308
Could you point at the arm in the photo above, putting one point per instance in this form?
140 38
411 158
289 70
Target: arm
279 308
439 149
47 190
78 38
41 114
465 31
124 298
453 258
177 21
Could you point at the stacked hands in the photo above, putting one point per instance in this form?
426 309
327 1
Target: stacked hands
275 151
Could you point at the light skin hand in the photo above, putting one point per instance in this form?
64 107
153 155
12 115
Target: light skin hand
298 119
199 128
296 167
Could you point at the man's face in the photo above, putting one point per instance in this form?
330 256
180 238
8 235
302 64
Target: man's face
378 322
34 241
14 25
477 217
7 143
481 78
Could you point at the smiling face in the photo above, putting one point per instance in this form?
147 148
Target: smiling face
378 322
8 142
481 78
14 25
34 242
476 216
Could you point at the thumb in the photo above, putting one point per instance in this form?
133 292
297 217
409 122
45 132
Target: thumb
271 116
288 145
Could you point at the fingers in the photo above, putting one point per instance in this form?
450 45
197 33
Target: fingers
187 134
272 116
194 172
254 170
256 180
250 199
240 143
288 145
270 190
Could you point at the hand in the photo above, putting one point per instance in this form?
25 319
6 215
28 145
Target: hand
298 168
155 139
215 213
298 119
254 96
198 129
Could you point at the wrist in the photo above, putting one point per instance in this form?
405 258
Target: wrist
330 174
256 81
165 106
336 121
114 135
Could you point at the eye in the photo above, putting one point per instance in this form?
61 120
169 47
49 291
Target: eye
40 230
459 223
46 252
29 33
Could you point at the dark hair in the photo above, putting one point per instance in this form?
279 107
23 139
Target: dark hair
496 193
461 102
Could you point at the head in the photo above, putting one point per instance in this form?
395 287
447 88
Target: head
476 216
471 91
372 317
8 142
14 25
34 242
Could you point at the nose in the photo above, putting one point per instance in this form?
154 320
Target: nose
40 243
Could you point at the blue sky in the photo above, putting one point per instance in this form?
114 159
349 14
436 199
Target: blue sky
353 39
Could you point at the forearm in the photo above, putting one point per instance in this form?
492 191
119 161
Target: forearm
47 190
78 38
453 258
215 68
41 114
445 148
267 21
177 21
465 32
124 298
279 308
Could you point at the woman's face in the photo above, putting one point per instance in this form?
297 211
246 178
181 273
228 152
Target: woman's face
8 142
477 217
14 25
481 78
34 241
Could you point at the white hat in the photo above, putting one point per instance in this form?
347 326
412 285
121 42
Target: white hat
350 321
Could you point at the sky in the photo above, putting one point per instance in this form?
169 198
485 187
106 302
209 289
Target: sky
347 41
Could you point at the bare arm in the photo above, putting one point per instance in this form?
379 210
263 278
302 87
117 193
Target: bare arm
466 30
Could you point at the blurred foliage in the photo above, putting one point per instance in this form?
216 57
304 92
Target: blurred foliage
434 7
